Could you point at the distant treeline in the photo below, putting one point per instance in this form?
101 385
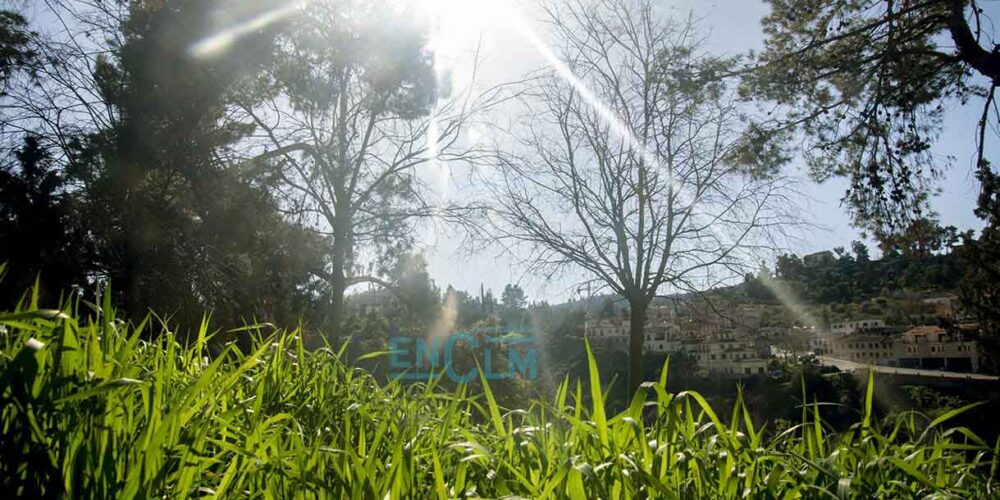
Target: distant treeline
852 276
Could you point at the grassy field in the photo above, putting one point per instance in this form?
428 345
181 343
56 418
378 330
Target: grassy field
91 409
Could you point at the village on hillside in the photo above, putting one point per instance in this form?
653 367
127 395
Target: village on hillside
744 339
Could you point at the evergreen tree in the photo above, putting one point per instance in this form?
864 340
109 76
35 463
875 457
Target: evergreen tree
176 229
40 235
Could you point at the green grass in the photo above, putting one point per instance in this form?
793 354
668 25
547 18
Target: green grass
90 409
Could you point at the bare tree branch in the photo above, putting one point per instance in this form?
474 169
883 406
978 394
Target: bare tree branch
646 199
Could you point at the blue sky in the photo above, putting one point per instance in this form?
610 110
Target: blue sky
735 28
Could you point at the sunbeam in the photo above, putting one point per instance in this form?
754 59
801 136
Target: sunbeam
217 44
790 301
625 133
604 112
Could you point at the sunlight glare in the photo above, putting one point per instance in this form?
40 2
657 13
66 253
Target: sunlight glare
458 28
218 43
791 301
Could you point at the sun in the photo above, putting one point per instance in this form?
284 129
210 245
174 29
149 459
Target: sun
458 29
463 17
455 26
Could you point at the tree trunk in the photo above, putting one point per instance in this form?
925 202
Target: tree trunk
985 62
636 336
338 283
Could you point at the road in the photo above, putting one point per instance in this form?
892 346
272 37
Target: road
846 365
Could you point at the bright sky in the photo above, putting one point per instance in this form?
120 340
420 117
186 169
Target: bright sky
735 28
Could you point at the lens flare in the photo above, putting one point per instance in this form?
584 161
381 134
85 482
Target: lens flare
218 43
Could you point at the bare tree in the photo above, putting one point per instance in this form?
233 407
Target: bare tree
60 97
624 168
352 110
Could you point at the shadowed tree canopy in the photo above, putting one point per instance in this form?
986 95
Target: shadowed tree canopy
39 234
16 50
137 132
513 297
183 230
867 82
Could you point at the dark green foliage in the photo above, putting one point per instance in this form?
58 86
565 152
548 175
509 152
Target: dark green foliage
411 307
926 399
513 297
980 290
843 277
16 50
513 310
417 298
175 228
867 83
40 233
